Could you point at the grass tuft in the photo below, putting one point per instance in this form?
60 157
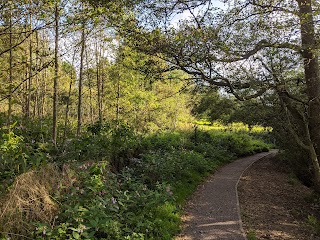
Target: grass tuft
29 200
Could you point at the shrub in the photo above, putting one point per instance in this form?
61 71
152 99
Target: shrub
117 143
17 156
129 186
163 141
103 205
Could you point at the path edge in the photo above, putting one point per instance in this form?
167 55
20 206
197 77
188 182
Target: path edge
272 151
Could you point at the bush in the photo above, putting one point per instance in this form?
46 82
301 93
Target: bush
103 205
164 141
171 166
116 143
237 144
129 186
17 156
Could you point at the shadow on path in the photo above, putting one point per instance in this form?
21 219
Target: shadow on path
213 212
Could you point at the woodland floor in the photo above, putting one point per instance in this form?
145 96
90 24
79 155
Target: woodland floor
274 205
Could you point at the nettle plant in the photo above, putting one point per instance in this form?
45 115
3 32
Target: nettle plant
104 205
17 156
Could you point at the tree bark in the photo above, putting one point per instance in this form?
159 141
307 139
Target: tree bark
118 100
30 69
10 69
91 112
56 75
312 77
37 64
81 79
68 102
98 57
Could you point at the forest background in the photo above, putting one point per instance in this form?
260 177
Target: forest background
118 104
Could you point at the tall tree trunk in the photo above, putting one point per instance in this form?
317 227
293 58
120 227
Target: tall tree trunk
68 102
37 65
67 110
26 75
99 102
81 79
43 78
43 94
118 100
90 89
30 69
102 82
56 74
312 77
10 68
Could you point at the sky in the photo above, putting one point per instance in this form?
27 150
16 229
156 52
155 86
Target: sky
187 14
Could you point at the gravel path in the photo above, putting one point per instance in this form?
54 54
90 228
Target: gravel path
213 212
275 205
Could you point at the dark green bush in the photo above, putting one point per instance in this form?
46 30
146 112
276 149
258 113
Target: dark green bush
103 205
17 156
164 141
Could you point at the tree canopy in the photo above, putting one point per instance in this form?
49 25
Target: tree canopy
249 48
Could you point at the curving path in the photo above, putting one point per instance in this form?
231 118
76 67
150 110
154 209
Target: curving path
213 212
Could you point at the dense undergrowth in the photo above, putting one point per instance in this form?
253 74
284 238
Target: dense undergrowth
111 183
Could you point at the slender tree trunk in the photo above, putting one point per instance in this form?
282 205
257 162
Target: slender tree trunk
43 78
118 100
98 83
68 102
90 88
10 68
43 94
81 79
56 74
30 69
26 75
37 97
67 110
312 77
91 102
102 82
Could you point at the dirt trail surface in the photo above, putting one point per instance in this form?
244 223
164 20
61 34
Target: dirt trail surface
213 211
274 205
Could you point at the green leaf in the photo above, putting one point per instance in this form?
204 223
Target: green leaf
76 235
93 223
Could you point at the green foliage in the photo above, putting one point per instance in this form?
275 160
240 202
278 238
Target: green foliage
132 186
164 141
115 142
242 144
172 166
314 223
215 107
103 205
239 144
251 235
16 155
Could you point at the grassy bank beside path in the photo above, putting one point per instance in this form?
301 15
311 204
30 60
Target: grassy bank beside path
123 185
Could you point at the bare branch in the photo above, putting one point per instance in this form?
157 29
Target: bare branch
273 8
259 46
22 41
26 79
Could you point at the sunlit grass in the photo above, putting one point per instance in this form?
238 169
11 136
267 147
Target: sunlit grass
233 127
